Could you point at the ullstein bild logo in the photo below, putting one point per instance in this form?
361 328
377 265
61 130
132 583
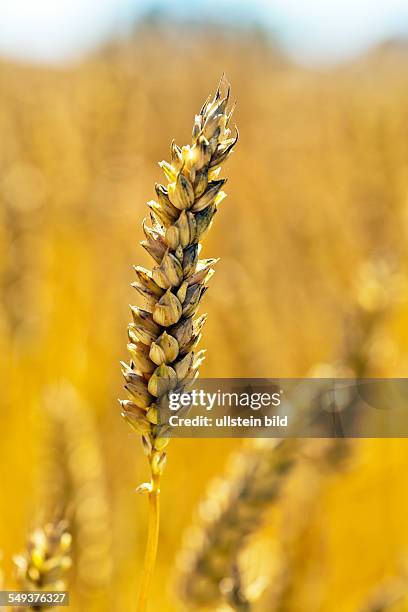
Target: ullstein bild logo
288 408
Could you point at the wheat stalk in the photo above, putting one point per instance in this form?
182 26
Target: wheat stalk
46 561
164 334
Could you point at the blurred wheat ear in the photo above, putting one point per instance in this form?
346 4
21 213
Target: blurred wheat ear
74 483
46 561
232 511
165 332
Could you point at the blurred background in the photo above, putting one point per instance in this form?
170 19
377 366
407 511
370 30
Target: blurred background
313 247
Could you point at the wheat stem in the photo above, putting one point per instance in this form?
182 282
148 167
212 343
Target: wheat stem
152 542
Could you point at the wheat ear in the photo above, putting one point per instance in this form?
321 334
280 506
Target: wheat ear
46 561
164 334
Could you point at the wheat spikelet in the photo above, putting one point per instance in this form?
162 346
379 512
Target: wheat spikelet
45 563
164 334
73 478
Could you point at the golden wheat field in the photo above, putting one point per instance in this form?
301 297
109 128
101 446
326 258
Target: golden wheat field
313 245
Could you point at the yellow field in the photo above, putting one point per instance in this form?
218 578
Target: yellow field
317 195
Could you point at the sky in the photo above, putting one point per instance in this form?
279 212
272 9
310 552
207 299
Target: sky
313 31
